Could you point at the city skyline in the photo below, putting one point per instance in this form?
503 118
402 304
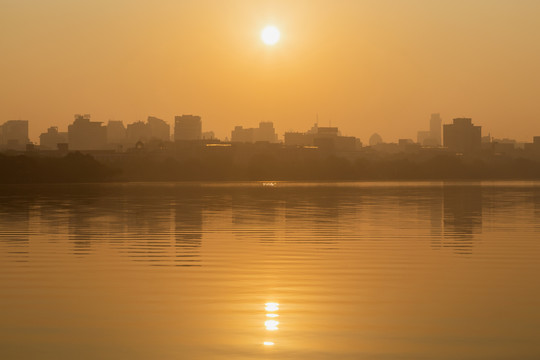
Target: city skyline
461 137
368 66
432 137
269 179
411 133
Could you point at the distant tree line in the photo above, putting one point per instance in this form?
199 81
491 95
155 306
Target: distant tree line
270 166
76 167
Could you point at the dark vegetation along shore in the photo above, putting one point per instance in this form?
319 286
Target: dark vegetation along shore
73 167
77 167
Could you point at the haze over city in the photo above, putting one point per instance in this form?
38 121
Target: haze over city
269 179
365 66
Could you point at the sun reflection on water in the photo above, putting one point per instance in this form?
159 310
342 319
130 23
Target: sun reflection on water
271 325
272 306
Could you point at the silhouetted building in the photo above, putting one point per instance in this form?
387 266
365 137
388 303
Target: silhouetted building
136 132
504 141
503 147
239 134
462 136
265 132
158 129
422 137
408 145
328 139
375 139
435 129
326 132
187 127
14 134
208 135
298 139
431 138
116 132
84 134
325 138
534 146
336 143
52 138
314 129
154 130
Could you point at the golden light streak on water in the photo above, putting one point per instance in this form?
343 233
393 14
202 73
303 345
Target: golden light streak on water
271 325
271 306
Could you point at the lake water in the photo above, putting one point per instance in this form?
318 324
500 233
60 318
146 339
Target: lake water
255 271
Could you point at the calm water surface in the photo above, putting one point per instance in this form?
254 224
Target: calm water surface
292 271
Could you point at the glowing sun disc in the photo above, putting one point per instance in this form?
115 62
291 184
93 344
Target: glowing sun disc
270 35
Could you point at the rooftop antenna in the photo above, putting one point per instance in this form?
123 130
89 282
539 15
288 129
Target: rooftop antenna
317 119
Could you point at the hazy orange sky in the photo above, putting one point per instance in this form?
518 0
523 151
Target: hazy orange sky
366 66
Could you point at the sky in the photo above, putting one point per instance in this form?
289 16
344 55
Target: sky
365 66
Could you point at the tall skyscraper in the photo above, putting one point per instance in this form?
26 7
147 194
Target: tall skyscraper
462 136
187 127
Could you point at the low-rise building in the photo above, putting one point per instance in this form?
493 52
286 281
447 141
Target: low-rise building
51 139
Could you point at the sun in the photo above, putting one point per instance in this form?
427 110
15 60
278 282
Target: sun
270 35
